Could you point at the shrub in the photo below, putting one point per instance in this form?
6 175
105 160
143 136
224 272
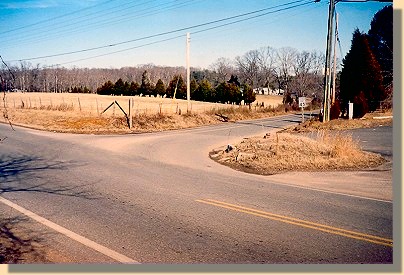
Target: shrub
360 107
335 110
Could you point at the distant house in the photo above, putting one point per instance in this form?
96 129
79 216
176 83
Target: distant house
267 91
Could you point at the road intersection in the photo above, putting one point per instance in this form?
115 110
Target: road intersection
158 198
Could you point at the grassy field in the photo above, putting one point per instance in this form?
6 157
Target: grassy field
93 104
84 113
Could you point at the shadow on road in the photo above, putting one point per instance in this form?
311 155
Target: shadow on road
19 244
22 174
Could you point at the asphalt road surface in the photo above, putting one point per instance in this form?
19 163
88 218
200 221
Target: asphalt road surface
158 198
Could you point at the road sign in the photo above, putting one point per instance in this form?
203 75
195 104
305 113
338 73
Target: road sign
302 102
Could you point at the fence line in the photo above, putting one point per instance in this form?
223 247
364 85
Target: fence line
139 105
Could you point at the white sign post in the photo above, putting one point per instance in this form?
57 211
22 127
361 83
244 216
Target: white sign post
302 104
350 110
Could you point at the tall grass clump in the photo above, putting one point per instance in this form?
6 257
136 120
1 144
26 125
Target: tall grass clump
339 144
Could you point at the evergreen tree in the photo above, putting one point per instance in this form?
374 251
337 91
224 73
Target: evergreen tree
119 87
160 89
248 94
106 89
380 38
193 86
134 88
203 92
145 86
361 73
228 93
176 88
234 80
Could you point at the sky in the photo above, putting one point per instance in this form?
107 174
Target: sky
121 33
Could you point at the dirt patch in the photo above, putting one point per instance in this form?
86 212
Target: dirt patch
282 152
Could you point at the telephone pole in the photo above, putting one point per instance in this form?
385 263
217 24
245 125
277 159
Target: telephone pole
334 71
188 76
327 82
327 72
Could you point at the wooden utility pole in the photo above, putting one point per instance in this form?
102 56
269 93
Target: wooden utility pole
188 75
334 72
327 71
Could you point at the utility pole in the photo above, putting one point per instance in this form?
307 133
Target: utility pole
327 82
188 76
334 71
327 72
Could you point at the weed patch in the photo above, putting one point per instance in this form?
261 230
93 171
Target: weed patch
282 152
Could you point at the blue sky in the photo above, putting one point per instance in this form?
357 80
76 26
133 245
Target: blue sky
35 28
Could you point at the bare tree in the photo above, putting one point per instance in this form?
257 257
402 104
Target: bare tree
285 62
222 68
266 61
307 76
248 66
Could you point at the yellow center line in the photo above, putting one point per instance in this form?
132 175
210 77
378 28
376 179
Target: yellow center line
302 223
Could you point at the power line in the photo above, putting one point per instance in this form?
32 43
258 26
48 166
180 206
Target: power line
279 17
253 17
56 17
176 37
180 29
119 51
66 28
44 36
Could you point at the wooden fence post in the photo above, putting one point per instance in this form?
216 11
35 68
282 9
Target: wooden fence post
130 114
79 103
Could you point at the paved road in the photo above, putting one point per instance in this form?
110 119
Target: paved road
158 198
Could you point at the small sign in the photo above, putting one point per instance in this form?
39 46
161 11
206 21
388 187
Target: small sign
302 102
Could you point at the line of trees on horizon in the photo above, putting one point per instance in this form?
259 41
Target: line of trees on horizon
287 69
230 91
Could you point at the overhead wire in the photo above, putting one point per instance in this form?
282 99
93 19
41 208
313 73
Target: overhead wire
176 37
56 17
182 29
118 51
85 23
277 18
338 40
254 17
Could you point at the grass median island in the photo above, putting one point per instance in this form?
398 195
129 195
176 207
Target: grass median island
282 152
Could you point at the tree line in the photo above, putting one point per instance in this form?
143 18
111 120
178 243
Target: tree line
230 91
285 69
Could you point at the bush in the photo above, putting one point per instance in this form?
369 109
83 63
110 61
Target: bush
335 110
360 107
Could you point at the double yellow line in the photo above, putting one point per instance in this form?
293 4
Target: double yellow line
302 223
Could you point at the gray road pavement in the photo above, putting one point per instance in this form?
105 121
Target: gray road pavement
158 198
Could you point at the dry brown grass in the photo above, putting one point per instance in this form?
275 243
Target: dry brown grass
268 100
94 104
282 152
82 113
76 122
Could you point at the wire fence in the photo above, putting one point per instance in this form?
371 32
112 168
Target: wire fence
97 105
